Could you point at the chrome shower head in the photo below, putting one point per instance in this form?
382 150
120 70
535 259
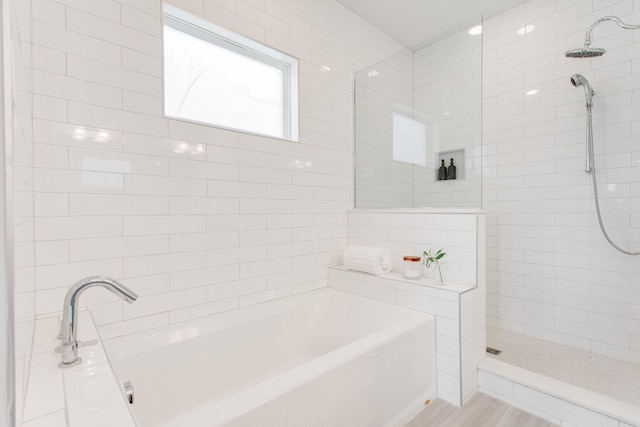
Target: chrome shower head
579 80
591 52
585 52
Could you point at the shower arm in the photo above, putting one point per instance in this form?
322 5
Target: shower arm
615 19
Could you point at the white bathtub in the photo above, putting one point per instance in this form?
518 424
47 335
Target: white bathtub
324 358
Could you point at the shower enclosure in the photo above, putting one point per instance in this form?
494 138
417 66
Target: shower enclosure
416 113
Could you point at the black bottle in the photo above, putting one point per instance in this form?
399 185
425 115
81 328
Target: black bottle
451 172
442 172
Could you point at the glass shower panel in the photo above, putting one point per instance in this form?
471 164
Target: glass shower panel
448 90
383 110
413 111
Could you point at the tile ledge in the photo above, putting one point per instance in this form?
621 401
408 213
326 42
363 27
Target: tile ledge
424 282
424 210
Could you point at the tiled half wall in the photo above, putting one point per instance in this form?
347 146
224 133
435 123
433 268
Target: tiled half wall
459 306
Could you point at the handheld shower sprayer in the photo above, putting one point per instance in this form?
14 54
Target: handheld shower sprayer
579 80
591 52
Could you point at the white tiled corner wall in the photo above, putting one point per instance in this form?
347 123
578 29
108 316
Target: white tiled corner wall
551 274
19 162
193 218
459 306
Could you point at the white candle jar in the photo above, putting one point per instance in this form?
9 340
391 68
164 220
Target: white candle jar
412 267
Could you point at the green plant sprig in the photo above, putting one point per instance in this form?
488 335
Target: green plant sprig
432 259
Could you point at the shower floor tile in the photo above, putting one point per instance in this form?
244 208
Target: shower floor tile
611 377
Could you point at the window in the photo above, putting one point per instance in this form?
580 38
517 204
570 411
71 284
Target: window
409 136
214 76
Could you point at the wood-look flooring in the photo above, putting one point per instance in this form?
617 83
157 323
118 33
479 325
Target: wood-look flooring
481 411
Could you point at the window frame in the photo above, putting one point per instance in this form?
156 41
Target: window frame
204 30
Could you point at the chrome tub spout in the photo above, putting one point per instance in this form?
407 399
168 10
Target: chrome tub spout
69 326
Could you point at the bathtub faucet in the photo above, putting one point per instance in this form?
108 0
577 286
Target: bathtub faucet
70 344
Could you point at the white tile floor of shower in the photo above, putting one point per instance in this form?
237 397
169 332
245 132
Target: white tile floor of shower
568 380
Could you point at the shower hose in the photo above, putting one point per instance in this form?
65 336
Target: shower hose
594 182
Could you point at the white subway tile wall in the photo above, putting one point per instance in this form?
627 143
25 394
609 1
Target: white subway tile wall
201 220
127 192
195 219
412 233
551 274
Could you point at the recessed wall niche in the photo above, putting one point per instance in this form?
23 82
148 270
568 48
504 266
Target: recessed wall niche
458 161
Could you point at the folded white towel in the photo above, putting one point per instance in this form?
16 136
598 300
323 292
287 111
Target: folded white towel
368 260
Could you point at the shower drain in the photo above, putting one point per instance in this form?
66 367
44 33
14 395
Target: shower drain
493 351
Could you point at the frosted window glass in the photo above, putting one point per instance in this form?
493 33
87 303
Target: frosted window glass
207 83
